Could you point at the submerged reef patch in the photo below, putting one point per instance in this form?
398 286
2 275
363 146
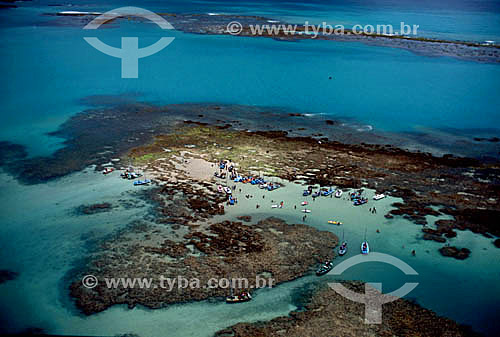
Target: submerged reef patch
326 313
7 275
222 250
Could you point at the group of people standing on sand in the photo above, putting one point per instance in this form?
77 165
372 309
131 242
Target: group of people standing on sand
226 167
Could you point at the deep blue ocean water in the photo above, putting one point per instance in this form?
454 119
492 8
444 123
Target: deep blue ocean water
47 70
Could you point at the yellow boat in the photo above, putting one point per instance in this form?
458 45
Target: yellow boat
334 222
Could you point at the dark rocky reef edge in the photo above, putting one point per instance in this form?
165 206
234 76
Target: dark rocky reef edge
217 25
269 249
464 188
457 253
327 313
94 208
7 275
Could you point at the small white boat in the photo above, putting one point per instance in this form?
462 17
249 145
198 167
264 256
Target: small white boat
343 249
227 190
274 206
306 211
379 196
76 13
262 186
365 248
304 203
338 194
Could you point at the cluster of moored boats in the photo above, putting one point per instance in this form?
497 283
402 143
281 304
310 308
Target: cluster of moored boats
324 192
225 168
235 177
357 198
129 174
327 266
260 182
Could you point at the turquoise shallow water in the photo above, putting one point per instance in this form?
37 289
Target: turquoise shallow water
475 20
466 290
47 70
44 240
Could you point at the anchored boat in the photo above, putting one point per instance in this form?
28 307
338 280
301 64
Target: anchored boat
130 174
326 193
356 195
343 246
359 202
108 170
324 268
243 297
365 248
308 192
343 249
273 186
142 182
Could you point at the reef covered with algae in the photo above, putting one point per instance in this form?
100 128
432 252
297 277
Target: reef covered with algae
270 249
330 314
